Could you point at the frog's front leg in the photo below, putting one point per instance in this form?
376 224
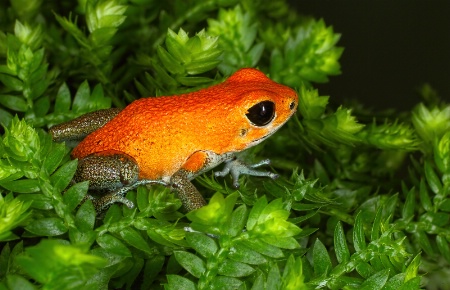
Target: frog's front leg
113 173
196 164
236 167
202 161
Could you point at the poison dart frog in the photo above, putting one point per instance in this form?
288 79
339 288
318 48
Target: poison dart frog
170 140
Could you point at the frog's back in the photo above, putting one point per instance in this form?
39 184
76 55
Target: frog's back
161 133
156 125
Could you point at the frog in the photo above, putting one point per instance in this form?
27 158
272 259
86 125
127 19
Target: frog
171 140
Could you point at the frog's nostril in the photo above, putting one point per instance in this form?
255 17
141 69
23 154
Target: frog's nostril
292 106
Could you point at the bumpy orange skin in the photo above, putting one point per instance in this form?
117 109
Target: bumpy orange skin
162 133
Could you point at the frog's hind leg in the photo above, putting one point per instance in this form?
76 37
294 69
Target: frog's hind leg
75 130
108 170
111 172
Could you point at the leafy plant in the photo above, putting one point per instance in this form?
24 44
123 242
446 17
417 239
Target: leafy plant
358 205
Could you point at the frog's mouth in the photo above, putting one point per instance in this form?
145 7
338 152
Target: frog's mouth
259 140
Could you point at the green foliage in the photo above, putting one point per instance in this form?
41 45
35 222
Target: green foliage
67 107
181 62
102 20
368 210
332 129
311 52
431 123
238 31
69 268
13 213
24 75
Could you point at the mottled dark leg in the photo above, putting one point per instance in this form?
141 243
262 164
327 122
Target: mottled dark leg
189 195
77 129
111 176
107 171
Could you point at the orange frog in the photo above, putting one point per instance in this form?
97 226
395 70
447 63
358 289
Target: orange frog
171 140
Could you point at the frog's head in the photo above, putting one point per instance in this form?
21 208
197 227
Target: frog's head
262 107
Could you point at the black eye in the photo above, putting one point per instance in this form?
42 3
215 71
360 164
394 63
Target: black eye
262 113
291 106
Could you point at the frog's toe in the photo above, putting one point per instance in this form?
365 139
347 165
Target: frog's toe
118 196
104 202
261 163
236 167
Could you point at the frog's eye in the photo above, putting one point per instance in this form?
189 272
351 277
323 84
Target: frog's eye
262 113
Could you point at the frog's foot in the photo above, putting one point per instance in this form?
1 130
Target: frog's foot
118 196
235 167
104 202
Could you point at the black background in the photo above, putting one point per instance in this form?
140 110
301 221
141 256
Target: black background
391 48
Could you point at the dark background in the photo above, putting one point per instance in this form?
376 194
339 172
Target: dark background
392 47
